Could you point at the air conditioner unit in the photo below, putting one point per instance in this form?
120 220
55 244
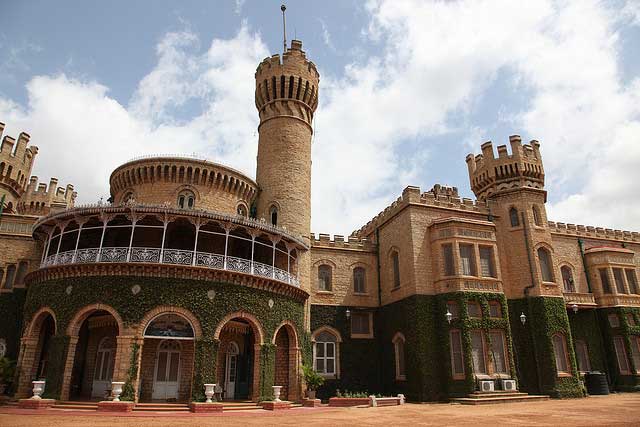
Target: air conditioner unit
509 385
486 386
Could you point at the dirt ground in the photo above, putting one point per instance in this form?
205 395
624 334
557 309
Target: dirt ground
619 409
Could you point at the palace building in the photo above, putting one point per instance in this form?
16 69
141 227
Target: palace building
195 273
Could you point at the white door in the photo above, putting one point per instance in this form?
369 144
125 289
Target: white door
167 374
231 370
103 373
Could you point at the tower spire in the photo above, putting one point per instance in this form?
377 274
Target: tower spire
284 28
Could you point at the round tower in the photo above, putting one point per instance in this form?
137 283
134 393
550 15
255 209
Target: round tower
286 98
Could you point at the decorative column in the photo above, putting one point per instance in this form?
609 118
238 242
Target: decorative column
226 243
75 251
67 367
164 233
197 223
105 219
26 362
62 227
134 219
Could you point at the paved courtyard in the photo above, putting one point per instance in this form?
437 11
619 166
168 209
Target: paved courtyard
620 409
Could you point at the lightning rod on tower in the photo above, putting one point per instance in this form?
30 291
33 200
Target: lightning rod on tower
284 28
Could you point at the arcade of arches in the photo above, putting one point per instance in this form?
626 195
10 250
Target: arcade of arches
99 352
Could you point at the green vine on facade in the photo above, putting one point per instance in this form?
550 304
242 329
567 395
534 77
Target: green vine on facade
128 391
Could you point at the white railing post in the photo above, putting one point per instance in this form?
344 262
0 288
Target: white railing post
75 251
273 262
226 245
253 244
104 229
195 245
133 230
164 233
46 251
59 242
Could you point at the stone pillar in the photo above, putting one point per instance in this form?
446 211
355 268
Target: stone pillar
68 368
26 368
295 379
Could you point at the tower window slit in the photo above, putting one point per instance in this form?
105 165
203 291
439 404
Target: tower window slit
291 80
266 90
304 95
282 86
273 86
299 86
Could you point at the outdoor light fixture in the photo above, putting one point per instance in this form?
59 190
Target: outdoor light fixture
574 307
449 316
348 313
523 318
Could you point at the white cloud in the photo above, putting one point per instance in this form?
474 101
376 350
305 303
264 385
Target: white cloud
436 61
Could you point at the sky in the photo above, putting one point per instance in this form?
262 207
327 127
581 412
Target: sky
407 90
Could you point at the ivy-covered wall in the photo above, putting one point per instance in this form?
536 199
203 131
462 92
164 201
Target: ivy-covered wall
534 349
11 307
585 326
116 291
359 358
628 331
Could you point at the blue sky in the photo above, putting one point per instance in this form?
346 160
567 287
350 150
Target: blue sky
407 90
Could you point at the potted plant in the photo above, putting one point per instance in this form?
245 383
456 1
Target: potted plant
7 370
313 380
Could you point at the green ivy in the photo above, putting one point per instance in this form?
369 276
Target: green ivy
267 371
58 347
205 365
128 392
627 331
11 307
534 348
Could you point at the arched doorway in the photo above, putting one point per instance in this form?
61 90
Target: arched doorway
47 330
94 357
240 337
286 362
166 365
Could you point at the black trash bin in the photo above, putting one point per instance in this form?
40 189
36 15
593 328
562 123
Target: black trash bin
596 383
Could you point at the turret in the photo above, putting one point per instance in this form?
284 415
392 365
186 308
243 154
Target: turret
522 168
16 162
286 98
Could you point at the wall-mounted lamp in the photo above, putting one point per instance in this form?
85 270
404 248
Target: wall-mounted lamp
574 307
523 318
449 316
348 313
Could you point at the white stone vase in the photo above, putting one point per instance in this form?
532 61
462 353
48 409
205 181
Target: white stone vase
209 391
38 388
116 390
276 393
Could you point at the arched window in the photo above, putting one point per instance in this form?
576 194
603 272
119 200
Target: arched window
324 277
536 216
359 285
22 271
273 215
395 266
544 257
186 199
325 353
560 353
567 279
513 216
398 346
11 274
242 210
582 355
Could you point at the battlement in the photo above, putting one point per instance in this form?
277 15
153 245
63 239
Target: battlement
589 231
340 242
40 199
439 196
489 174
290 78
16 162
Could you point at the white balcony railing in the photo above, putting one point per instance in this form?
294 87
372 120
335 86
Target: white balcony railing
173 257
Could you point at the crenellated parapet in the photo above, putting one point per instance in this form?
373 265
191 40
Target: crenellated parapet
16 162
340 242
522 168
588 231
287 86
439 196
40 199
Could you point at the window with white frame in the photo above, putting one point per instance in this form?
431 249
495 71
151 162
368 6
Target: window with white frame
635 352
478 356
359 286
495 309
617 276
487 268
499 352
324 277
560 353
604 280
447 259
582 356
324 354
467 263
398 346
361 325
454 309
474 310
567 279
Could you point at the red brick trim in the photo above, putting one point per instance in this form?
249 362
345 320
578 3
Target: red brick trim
203 408
343 402
35 403
109 406
275 406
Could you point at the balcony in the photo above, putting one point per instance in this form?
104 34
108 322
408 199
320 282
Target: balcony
613 300
171 257
473 284
148 235
579 299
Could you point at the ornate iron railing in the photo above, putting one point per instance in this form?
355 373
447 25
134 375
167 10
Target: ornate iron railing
173 257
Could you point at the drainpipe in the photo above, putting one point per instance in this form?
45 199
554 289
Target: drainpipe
525 229
378 266
584 264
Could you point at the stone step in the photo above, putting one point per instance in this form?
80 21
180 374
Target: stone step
76 406
161 407
498 400
489 395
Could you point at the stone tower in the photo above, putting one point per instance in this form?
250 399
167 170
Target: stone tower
286 98
513 184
